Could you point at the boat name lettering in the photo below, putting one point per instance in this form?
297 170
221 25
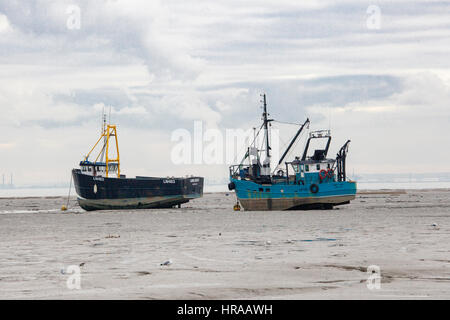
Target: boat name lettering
169 181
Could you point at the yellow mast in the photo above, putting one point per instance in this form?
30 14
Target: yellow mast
110 131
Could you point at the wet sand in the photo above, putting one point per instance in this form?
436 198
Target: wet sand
217 253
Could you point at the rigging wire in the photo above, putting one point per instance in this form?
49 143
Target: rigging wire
262 142
242 148
285 122
70 187
295 145
286 143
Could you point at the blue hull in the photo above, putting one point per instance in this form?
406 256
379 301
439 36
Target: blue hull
282 196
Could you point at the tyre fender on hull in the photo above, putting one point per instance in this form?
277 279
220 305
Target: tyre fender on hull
314 188
231 186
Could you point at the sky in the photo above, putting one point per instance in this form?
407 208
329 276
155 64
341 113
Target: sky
374 72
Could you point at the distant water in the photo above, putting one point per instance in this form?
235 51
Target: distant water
403 185
55 192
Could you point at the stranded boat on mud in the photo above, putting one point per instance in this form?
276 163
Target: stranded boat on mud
309 182
100 184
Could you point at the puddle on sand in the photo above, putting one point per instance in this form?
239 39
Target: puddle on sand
317 239
41 211
29 211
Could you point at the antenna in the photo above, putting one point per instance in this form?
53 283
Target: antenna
104 120
103 134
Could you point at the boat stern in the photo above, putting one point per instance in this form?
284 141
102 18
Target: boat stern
193 187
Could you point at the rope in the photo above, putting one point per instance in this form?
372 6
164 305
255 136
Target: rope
285 145
244 147
70 187
294 146
284 122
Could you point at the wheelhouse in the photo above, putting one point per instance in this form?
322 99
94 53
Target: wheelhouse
111 166
98 168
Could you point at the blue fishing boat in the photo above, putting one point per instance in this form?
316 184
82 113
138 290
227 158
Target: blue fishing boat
311 181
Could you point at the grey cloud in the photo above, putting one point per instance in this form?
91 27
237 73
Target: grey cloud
109 96
287 100
42 26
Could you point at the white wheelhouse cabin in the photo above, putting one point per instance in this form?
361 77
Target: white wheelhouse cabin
98 169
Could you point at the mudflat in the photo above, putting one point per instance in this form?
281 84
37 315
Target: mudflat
205 250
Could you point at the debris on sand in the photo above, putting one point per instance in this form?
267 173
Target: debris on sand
111 236
166 263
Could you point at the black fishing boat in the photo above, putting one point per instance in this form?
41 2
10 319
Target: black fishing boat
101 186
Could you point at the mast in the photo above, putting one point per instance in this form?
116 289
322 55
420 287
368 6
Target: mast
266 129
110 131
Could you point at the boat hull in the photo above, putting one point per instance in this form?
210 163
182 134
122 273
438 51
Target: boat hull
303 203
100 193
257 197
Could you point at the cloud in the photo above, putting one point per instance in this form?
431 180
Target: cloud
160 65
4 24
399 133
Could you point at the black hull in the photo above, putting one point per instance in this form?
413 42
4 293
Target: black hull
100 193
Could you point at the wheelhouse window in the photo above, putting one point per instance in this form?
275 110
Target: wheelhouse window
307 167
318 166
